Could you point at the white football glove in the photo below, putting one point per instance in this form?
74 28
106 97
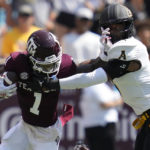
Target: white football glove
6 91
105 41
105 38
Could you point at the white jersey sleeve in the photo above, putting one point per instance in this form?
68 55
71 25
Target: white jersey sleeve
84 80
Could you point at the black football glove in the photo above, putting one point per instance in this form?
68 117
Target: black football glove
44 85
116 68
35 84
51 85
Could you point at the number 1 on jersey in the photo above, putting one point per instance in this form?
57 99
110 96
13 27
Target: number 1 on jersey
36 104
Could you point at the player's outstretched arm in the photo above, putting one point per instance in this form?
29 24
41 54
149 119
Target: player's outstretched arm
90 65
114 69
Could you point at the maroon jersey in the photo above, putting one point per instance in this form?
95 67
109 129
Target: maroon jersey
39 109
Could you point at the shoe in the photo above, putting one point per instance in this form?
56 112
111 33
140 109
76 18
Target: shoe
80 146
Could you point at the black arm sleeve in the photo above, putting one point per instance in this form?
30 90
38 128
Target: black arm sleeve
90 65
116 68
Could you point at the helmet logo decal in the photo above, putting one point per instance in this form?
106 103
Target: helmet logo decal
129 13
31 46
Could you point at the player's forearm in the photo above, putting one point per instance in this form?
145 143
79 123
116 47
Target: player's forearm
84 80
90 65
113 69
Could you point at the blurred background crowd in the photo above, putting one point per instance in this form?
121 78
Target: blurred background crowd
75 23
65 18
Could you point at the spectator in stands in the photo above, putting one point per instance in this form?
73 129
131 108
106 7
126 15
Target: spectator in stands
66 10
138 9
5 16
100 116
44 17
16 38
6 20
147 7
82 44
143 33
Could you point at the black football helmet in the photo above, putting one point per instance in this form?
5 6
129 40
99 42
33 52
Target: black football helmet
117 14
44 52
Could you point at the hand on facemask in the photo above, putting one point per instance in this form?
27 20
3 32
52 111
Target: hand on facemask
105 41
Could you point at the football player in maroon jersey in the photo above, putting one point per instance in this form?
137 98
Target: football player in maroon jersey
40 126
